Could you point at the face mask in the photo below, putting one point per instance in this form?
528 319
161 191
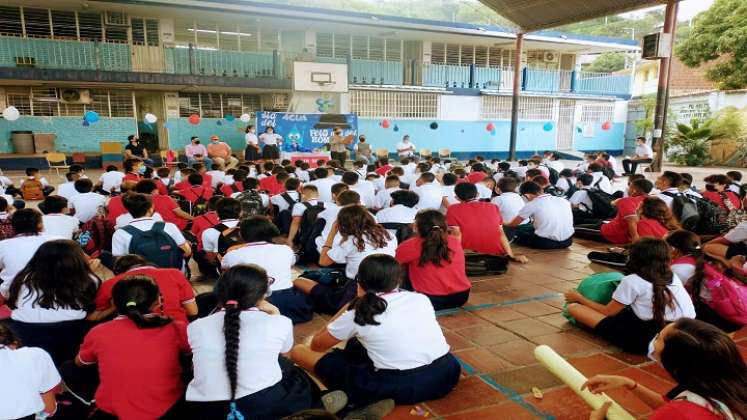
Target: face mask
141 170
651 349
197 142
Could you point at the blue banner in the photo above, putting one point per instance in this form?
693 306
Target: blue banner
307 132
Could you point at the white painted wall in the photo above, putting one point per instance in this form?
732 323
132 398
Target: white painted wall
621 112
460 108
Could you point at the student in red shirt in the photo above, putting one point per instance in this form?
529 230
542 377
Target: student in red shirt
717 191
164 205
137 355
115 208
480 222
207 179
196 190
132 170
238 183
705 363
435 261
384 167
477 174
176 292
655 220
163 183
183 184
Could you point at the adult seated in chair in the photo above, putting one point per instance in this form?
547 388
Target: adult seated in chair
135 150
220 153
197 153
643 154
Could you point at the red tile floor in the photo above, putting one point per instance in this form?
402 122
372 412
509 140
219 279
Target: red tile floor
495 334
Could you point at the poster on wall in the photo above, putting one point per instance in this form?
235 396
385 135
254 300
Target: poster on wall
306 132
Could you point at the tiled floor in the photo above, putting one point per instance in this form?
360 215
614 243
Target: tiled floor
495 334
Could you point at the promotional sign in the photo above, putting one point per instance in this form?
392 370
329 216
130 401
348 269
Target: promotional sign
306 132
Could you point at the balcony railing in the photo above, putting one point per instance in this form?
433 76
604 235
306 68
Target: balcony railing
108 56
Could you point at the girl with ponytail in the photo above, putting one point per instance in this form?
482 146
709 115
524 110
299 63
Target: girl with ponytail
237 372
688 263
642 304
395 348
138 355
434 260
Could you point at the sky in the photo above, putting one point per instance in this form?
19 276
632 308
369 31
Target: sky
687 10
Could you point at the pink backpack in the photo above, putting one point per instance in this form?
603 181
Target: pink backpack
728 296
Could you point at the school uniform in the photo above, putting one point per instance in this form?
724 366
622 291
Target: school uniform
552 222
398 213
62 225
480 224
125 219
86 205
366 191
282 203
216 178
329 215
734 187
565 184
139 369
251 152
278 261
430 194
616 231
270 149
67 190
447 191
16 252
720 199
29 372
233 188
211 236
166 207
384 197
196 192
445 284
324 186
111 181
666 197
483 192
264 197
121 238
737 238
268 386
202 223
509 204
601 182
405 357
633 328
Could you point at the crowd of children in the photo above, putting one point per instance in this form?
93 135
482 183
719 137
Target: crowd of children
384 247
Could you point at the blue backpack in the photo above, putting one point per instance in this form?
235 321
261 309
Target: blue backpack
156 246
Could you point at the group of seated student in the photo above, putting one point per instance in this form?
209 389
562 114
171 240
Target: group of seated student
392 242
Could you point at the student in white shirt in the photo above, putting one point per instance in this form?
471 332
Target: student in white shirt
18 250
643 154
302 171
354 236
449 181
343 197
566 181
508 202
288 199
667 185
111 180
257 234
402 210
384 197
56 222
644 301
485 189
323 184
364 188
51 298
140 207
67 189
216 175
552 219
228 210
34 379
309 199
86 204
387 329
734 186
405 148
580 201
429 191
600 181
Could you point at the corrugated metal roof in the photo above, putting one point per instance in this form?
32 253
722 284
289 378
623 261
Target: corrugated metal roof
532 15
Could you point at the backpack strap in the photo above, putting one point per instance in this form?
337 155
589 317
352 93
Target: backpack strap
157 226
307 205
221 227
288 199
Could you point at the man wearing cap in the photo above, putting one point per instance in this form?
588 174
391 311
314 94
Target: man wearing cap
220 153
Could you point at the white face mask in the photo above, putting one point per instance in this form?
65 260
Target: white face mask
651 349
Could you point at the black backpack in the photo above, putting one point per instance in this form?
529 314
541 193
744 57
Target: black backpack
403 231
284 218
685 210
311 227
155 245
713 218
571 190
554 175
251 203
200 205
228 237
608 172
601 204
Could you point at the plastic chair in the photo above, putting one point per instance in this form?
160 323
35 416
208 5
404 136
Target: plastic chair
382 153
445 154
57 161
425 153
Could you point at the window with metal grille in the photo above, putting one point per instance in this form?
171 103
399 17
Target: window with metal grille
19 97
438 53
250 104
481 56
393 104
468 55
99 102
393 49
376 49
453 54
210 105
189 103
37 22
360 47
10 21
341 45
152 32
144 31
232 104
324 45
270 39
138 31
597 113
530 108
63 24
90 27
116 34
44 101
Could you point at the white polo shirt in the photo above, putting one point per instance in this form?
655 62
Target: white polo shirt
33 373
279 201
397 213
27 311
509 204
121 239
367 192
345 252
16 252
262 338
86 205
329 215
61 225
270 139
564 184
276 259
124 219
735 235
601 182
638 293
211 235
407 337
483 192
216 177
67 190
552 217
384 197
405 149
447 191
665 198
324 186
644 151
430 194
251 139
581 199
111 180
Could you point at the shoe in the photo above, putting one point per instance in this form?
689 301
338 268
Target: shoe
375 411
334 401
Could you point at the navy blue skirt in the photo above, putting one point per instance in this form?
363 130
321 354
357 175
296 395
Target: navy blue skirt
293 304
352 371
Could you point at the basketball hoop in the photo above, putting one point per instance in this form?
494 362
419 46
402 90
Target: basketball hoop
321 78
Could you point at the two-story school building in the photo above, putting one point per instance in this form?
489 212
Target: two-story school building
446 84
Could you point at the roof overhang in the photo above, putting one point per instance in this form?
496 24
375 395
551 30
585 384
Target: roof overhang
534 15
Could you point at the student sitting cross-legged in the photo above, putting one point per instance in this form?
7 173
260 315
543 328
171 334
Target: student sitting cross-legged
239 368
434 260
552 220
642 304
624 226
395 347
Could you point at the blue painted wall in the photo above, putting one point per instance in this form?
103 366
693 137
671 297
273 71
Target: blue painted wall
231 132
608 140
72 136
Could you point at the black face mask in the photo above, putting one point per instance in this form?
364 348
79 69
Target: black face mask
197 142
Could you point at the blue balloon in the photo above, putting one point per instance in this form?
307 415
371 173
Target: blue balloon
230 117
548 126
91 116
396 127
219 122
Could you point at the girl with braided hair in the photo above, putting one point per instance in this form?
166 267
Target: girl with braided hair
239 371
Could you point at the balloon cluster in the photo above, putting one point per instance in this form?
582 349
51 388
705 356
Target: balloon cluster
490 128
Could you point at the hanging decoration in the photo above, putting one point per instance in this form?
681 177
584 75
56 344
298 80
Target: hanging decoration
548 126
11 113
434 126
194 119
229 117
91 117
396 128
245 118
490 127
607 125
385 123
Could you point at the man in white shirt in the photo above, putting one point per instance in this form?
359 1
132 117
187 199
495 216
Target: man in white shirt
323 184
643 154
16 252
405 148
67 189
552 220
364 188
86 204
56 222
429 191
600 181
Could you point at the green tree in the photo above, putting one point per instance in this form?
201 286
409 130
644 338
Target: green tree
691 143
608 62
719 33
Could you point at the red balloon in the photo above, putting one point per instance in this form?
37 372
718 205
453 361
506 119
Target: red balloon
385 123
194 119
490 127
606 125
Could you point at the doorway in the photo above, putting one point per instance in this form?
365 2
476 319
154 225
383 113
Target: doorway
153 136
565 124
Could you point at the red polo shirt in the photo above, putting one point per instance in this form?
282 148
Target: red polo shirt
435 280
383 170
616 231
165 206
202 223
229 190
193 193
115 208
480 223
476 177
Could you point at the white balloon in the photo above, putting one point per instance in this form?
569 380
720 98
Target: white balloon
150 118
245 118
11 113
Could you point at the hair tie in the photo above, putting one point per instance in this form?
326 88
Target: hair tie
232 303
698 247
435 227
131 303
